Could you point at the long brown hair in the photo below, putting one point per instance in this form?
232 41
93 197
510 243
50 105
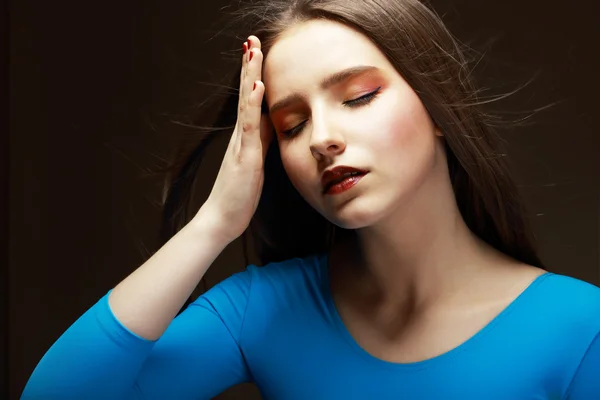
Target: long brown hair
433 62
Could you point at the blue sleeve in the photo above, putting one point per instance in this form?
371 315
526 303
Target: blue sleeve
197 357
586 381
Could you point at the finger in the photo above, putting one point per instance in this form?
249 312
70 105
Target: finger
252 117
255 42
253 70
254 45
243 73
236 138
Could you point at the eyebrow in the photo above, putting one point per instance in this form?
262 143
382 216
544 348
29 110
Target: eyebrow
326 83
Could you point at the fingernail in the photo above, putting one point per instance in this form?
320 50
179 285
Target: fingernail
254 88
244 47
249 43
251 54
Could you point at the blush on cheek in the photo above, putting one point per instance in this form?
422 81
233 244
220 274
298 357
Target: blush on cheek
393 130
406 124
401 129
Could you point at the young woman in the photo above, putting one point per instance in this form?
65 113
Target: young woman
399 264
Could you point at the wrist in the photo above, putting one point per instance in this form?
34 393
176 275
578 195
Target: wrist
207 223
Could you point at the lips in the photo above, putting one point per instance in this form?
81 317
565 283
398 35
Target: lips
339 174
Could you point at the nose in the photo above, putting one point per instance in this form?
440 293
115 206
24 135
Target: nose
325 140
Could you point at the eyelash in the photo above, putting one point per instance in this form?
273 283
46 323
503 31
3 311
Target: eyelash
363 100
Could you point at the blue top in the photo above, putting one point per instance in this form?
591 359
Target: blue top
277 326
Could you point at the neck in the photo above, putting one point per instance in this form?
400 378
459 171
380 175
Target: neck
423 253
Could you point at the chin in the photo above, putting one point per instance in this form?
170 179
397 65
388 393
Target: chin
354 214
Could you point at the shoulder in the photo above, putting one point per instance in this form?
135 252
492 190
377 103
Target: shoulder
569 305
309 266
262 291
278 296
574 296
288 278
573 306
274 280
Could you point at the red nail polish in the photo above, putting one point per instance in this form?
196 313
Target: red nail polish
249 43
254 88
244 48
251 53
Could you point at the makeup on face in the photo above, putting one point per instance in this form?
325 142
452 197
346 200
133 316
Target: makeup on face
346 85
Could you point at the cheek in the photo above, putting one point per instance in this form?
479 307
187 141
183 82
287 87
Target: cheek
295 165
297 168
403 130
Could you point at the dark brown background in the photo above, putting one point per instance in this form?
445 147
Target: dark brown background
90 83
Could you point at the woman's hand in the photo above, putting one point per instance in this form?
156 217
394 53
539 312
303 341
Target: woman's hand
237 189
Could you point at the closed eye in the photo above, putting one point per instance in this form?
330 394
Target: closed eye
294 130
363 100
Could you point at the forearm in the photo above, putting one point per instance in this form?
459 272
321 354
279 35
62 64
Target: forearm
99 358
147 300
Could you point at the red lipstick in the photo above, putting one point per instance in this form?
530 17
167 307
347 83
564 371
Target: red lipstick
339 179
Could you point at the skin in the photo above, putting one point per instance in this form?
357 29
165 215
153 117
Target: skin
414 281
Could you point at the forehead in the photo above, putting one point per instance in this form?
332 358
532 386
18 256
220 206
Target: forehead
307 52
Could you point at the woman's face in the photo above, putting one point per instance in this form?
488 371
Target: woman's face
387 132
